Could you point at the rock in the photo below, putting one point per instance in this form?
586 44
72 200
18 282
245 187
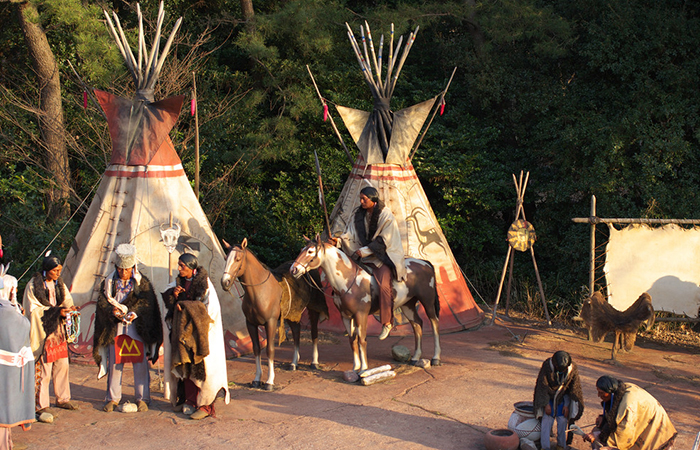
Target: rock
400 353
128 408
423 363
45 417
350 376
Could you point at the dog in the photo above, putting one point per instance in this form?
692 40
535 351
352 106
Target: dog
601 318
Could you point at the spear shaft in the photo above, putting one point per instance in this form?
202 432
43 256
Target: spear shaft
321 194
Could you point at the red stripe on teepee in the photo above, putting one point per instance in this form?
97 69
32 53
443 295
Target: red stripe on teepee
145 171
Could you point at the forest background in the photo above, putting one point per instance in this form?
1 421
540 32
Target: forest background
592 97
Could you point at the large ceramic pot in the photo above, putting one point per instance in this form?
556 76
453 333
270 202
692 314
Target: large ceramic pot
502 439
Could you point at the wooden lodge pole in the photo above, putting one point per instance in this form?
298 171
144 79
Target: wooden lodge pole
591 275
196 137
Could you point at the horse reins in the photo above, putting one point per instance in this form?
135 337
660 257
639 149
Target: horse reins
246 284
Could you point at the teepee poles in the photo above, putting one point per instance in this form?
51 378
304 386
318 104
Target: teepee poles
439 104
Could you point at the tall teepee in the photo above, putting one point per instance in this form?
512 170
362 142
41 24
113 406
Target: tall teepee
386 141
144 198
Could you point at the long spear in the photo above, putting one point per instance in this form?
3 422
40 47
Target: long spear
321 195
325 106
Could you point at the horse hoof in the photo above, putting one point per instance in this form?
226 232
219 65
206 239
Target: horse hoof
268 386
255 384
435 362
315 366
293 367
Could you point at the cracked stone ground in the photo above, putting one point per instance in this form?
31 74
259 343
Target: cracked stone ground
449 407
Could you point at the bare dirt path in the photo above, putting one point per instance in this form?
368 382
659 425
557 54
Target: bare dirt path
449 407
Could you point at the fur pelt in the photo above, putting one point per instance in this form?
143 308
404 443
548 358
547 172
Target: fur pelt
142 301
601 318
52 316
197 291
190 338
547 386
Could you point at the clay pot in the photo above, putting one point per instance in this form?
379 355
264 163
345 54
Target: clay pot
502 439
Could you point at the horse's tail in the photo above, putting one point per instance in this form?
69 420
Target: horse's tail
437 298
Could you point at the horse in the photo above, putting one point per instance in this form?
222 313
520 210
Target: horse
358 295
270 296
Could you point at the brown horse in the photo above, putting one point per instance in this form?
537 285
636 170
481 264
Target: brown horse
358 295
271 296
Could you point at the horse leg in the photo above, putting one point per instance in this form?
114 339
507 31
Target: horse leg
255 340
296 335
435 323
313 318
361 320
417 323
352 336
270 330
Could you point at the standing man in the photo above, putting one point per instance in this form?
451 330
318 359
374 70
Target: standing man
47 302
373 236
558 397
16 373
197 340
127 329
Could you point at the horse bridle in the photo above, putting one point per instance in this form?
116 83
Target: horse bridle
243 250
306 266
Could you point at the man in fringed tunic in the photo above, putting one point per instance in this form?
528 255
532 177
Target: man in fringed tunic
47 302
127 329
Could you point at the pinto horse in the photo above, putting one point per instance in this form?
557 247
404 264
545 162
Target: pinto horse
358 295
270 296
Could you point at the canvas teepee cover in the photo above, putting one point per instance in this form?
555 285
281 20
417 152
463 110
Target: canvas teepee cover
144 190
386 140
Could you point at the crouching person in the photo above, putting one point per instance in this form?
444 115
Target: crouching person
198 356
127 329
558 397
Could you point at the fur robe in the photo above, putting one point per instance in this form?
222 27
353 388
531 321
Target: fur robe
142 301
548 388
44 318
636 421
379 241
215 375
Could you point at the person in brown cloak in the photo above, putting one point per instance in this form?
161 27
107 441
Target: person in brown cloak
127 329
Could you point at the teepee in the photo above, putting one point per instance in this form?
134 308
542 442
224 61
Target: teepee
145 199
387 141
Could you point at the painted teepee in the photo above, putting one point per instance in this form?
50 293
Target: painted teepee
386 141
144 198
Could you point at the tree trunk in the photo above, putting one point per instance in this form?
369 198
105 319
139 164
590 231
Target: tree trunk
248 13
51 121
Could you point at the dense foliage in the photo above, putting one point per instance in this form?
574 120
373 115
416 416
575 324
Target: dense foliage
591 97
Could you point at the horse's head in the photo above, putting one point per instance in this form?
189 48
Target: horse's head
234 263
310 257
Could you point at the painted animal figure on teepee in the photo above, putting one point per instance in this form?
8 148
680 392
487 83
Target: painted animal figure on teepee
387 141
145 199
271 297
358 296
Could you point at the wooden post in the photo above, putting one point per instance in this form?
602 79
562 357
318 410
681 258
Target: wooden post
591 276
196 137
500 285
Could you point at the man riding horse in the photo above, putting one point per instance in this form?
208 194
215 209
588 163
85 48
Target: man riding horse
373 236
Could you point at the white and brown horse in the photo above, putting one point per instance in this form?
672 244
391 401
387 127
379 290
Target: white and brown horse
271 296
357 295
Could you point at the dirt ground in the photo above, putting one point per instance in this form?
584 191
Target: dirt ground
484 373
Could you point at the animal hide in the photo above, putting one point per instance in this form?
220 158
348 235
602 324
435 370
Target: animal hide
601 318
191 340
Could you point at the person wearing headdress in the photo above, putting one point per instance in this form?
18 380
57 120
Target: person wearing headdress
197 340
632 419
47 302
558 397
16 373
127 329
373 237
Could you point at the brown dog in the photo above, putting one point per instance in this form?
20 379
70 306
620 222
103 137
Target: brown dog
601 318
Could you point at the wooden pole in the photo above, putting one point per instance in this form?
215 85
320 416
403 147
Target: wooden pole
539 284
500 285
196 137
591 276
510 283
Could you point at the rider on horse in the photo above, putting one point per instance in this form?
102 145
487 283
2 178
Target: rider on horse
373 236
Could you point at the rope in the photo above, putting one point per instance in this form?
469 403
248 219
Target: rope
72 326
